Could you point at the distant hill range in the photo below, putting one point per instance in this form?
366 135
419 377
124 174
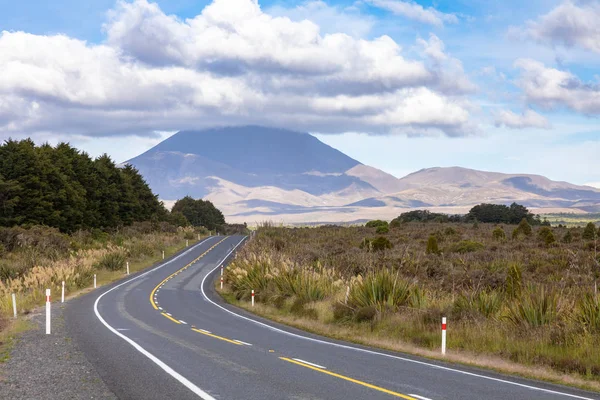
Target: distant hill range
256 173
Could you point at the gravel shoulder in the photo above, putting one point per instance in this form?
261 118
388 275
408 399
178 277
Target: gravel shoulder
49 366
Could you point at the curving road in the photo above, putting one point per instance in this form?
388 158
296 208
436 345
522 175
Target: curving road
165 334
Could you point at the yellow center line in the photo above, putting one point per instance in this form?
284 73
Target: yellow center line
380 389
217 337
178 271
171 318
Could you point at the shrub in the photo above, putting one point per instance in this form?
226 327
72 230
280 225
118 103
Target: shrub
514 280
382 229
449 231
378 244
483 303
432 245
498 234
467 246
382 290
365 314
538 307
113 261
588 312
546 235
341 312
589 233
523 229
376 223
568 237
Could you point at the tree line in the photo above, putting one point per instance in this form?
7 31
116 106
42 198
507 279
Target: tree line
65 188
486 213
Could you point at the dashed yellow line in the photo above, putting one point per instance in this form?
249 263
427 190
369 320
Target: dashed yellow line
171 318
380 389
217 337
178 271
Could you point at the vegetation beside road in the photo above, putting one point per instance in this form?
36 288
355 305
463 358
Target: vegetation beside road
516 294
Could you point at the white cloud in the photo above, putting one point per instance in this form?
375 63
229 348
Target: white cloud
232 64
529 119
570 24
330 19
415 11
551 88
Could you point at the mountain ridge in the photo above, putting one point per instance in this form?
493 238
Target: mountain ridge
253 171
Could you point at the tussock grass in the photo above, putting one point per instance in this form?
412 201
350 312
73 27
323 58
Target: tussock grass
514 301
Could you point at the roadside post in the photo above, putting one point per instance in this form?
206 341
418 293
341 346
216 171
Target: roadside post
163 254
127 267
14 301
62 295
252 297
443 335
94 281
48 304
221 277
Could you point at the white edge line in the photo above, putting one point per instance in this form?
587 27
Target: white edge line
195 389
309 363
343 346
419 397
239 341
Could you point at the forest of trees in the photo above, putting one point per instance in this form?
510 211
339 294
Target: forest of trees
64 188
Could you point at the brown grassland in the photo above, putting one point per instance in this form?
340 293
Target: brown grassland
525 302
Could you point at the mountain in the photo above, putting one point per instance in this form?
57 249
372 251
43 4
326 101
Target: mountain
254 173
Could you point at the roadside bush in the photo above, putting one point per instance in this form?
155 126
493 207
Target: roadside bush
514 280
485 304
365 314
376 223
588 312
382 290
112 261
537 307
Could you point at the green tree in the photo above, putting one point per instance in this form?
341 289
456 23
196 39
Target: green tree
200 212
589 233
546 235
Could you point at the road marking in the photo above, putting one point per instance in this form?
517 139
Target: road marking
217 337
122 329
203 330
183 322
373 352
152 294
419 397
239 341
346 378
309 363
171 318
180 378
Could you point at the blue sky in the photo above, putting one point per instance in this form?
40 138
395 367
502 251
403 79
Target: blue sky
496 86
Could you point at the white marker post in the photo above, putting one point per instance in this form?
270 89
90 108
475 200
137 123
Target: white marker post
221 277
48 311
94 281
163 254
347 294
14 301
62 295
252 297
187 243
127 267
198 236
443 335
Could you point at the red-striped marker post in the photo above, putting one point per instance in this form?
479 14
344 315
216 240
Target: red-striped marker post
48 311
221 277
252 297
443 335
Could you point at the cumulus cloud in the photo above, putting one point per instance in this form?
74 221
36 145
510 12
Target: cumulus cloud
552 88
570 24
415 11
232 64
529 119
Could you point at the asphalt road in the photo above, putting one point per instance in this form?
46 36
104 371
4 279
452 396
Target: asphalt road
165 334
